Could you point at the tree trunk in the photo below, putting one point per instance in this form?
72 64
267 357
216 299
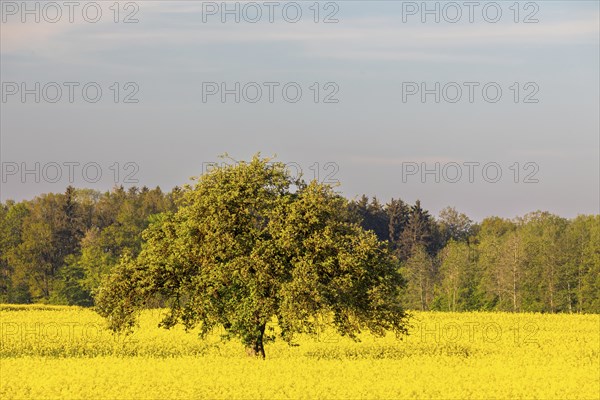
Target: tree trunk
579 278
569 297
515 261
257 348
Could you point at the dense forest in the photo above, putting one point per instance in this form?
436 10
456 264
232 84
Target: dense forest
57 247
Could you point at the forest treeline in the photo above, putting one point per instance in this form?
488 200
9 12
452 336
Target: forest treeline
56 249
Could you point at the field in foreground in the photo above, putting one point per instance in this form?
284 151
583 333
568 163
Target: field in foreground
65 352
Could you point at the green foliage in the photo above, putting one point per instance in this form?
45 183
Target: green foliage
420 271
248 244
68 288
454 225
58 248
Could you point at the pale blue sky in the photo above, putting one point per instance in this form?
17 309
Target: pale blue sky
369 133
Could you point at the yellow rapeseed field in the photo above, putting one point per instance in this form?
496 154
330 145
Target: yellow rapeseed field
65 352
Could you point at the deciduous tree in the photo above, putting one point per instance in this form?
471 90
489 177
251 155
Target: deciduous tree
247 245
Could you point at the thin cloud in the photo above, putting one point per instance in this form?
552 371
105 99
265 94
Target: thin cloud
357 38
399 161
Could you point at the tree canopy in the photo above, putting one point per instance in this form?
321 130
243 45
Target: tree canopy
248 244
